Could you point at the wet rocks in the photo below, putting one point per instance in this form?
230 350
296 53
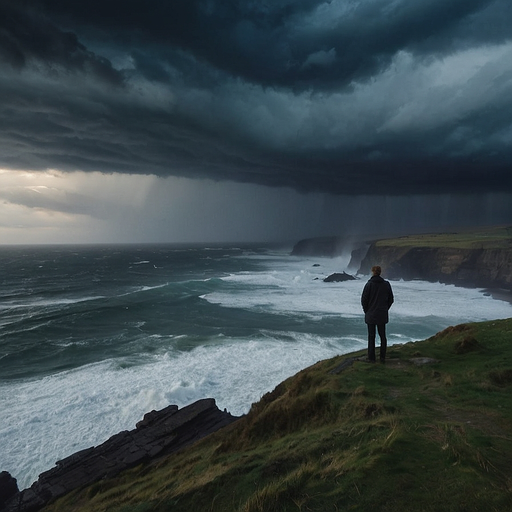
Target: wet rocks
338 277
158 433
8 487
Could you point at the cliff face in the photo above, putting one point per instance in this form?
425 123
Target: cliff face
467 267
480 257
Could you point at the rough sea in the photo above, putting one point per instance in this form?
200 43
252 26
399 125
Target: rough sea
93 337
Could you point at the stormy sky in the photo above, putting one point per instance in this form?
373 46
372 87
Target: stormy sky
203 120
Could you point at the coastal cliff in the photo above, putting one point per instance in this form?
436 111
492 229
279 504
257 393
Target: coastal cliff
482 259
467 267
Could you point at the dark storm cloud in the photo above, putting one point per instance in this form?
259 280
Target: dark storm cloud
272 43
25 37
343 96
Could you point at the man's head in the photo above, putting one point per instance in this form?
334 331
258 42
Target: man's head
376 270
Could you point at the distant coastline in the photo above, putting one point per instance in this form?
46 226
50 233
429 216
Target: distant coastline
480 258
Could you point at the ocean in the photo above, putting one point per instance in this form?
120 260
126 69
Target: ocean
93 337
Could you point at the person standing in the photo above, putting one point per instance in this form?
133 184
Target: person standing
376 300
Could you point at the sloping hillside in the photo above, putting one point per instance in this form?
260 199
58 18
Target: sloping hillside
431 430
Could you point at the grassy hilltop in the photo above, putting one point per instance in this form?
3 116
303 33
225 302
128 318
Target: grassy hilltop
481 258
415 434
485 238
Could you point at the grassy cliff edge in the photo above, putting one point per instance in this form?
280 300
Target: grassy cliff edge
473 258
429 431
499 237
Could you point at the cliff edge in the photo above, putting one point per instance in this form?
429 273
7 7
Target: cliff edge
478 258
429 430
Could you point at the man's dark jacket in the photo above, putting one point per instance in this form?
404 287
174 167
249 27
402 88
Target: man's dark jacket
376 300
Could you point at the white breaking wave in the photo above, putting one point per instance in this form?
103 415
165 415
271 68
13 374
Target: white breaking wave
299 289
39 302
77 409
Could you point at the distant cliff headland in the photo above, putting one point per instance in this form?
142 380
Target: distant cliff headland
480 258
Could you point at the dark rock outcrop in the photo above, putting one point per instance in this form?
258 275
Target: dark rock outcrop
486 268
8 487
339 277
159 433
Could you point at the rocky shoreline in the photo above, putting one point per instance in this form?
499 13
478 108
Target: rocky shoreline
159 433
480 263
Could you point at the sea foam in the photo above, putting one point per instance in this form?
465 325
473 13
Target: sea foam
83 407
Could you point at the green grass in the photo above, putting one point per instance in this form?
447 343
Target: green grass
394 437
492 238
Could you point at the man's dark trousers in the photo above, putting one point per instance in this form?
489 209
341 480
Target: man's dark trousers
372 328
